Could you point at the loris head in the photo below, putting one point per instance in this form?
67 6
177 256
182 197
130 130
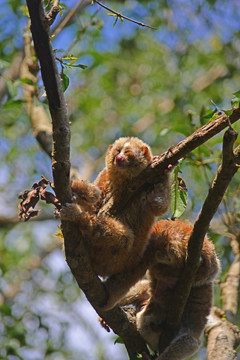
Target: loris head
128 156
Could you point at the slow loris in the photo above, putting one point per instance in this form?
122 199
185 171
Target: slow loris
169 242
116 244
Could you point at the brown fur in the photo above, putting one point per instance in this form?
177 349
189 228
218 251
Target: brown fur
115 245
169 242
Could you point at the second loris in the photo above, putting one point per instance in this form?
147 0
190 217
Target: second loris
169 241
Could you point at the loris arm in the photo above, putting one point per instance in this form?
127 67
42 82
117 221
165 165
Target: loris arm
137 294
159 199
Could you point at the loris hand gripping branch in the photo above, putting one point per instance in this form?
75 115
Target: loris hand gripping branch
116 244
169 242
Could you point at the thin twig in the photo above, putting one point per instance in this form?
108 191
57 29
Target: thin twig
68 17
84 27
123 16
51 15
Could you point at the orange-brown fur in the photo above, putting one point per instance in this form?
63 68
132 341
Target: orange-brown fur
86 194
169 242
116 244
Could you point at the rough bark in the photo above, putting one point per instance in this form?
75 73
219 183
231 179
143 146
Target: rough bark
223 337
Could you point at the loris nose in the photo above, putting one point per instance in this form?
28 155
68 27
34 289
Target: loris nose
120 158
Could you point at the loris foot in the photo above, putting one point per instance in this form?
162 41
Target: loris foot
70 211
111 303
85 191
104 324
180 348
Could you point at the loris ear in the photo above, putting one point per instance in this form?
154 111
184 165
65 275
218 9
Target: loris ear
147 153
109 149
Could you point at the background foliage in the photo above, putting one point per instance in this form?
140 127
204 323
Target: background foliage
159 85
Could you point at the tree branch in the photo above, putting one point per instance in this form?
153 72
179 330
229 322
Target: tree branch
51 15
80 5
10 73
40 122
151 174
120 16
223 337
219 186
76 254
57 106
230 288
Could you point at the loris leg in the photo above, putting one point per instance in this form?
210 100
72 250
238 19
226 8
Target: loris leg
103 231
137 294
180 348
118 285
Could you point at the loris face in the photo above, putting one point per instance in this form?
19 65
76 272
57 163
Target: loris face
128 155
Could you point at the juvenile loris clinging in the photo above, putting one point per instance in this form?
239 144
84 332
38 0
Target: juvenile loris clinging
169 241
116 244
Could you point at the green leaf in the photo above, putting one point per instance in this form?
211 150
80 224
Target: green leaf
236 100
237 93
118 340
3 64
136 356
179 194
206 115
6 309
25 81
65 81
115 21
82 66
11 88
182 129
11 104
70 57
228 112
111 14
214 237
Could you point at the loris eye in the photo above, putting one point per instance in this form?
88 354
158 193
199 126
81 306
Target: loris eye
116 152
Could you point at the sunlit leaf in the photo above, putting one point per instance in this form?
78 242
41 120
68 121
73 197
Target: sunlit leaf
65 81
118 340
179 194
